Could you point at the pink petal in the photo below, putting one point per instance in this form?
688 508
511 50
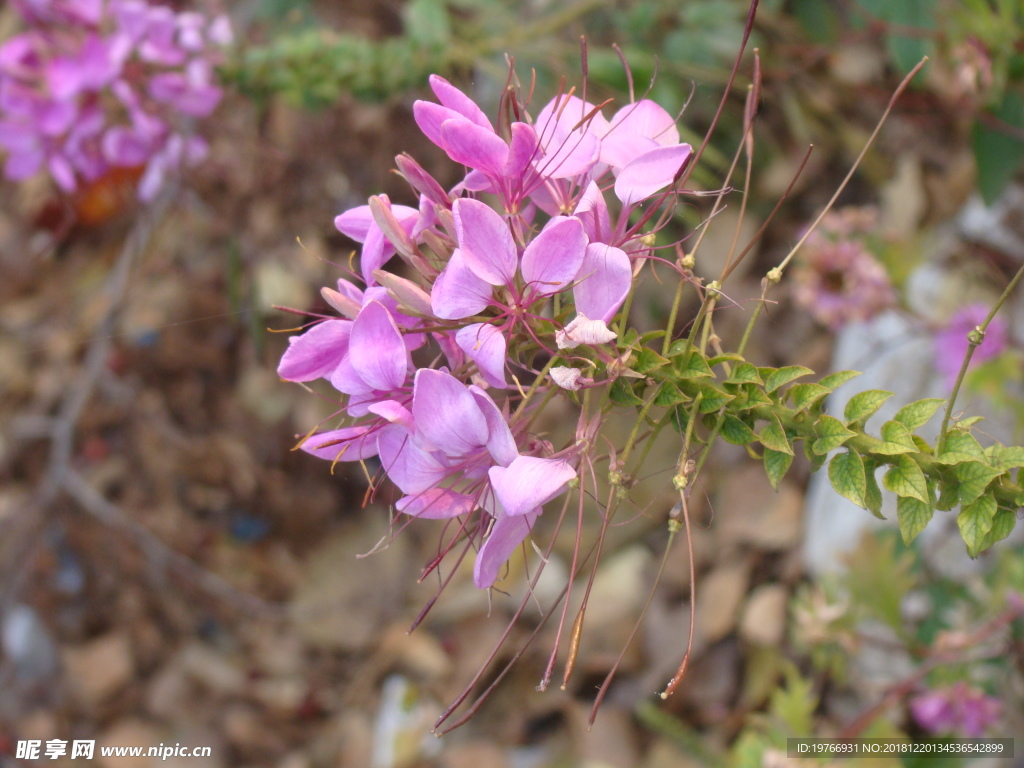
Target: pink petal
317 352
500 443
649 173
605 279
485 241
552 260
522 150
436 504
347 444
647 119
529 482
458 292
393 411
485 345
408 465
453 98
446 413
506 535
473 146
592 210
429 117
377 350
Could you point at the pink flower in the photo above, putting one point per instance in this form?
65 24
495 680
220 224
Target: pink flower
951 342
958 710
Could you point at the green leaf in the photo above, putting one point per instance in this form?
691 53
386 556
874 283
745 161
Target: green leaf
974 477
865 403
872 493
913 516
696 366
427 22
975 521
776 464
896 439
960 447
736 432
646 360
1002 526
621 393
835 380
998 152
714 398
831 433
846 473
669 394
806 395
1005 456
783 376
744 373
915 415
724 358
773 436
905 478
949 493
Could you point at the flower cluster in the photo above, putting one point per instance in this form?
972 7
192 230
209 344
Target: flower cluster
959 710
837 279
521 264
96 85
951 342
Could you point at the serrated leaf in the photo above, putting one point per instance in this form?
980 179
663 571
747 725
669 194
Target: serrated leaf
714 398
865 403
969 422
922 445
776 464
974 477
975 521
831 433
752 396
1005 456
696 366
896 439
621 393
913 516
646 360
744 373
835 380
736 432
949 493
783 376
806 395
1002 526
915 415
905 478
817 460
773 436
846 473
960 447
669 394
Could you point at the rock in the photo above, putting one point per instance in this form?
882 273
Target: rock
764 616
719 595
129 733
756 515
99 669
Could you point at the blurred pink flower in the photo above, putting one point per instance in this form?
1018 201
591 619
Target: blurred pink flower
958 710
951 342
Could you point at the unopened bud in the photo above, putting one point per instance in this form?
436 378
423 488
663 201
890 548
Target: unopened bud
774 275
688 261
649 239
975 337
714 289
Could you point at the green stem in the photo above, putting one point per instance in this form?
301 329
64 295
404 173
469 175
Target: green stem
974 340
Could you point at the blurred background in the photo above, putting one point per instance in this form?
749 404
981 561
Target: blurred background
173 572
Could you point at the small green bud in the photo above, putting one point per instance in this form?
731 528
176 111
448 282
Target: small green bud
649 239
774 275
714 289
574 483
688 261
679 482
615 478
975 337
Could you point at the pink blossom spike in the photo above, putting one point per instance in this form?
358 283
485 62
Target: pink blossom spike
529 482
